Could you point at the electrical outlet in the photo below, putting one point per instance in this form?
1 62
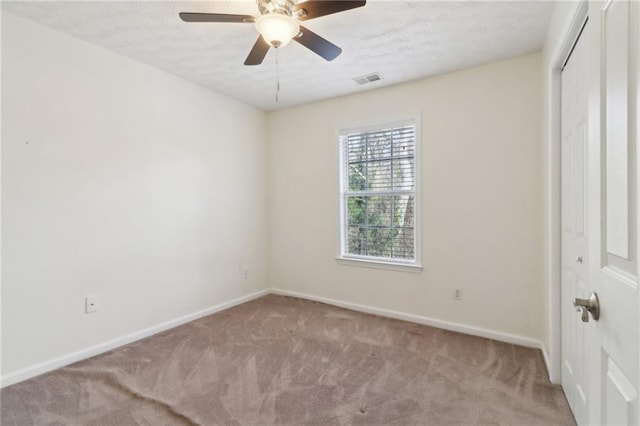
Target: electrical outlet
90 304
245 272
457 294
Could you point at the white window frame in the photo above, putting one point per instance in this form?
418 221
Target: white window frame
370 261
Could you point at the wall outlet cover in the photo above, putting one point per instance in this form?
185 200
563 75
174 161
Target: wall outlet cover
457 294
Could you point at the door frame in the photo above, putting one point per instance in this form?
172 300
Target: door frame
561 49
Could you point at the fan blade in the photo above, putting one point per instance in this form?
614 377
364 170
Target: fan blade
258 52
216 17
317 44
316 8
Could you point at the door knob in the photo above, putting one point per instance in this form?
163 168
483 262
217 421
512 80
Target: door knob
591 305
584 314
579 259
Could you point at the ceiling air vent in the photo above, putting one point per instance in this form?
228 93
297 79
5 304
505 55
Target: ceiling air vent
367 78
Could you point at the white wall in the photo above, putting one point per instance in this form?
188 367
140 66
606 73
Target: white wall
134 185
481 194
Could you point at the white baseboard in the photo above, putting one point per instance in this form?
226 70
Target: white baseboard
545 356
44 367
446 325
89 352
554 375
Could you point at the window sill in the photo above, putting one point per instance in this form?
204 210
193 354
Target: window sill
377 264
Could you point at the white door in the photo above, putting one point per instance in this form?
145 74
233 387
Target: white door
574 262
600 120
614 84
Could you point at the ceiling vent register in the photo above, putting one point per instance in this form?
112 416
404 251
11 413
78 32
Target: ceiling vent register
365 79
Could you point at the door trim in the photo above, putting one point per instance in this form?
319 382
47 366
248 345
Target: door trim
560 53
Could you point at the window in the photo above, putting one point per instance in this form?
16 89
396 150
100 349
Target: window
378 205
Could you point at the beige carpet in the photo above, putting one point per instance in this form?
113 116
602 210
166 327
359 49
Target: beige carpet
280 360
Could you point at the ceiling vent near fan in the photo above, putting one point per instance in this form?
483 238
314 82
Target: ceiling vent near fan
365 79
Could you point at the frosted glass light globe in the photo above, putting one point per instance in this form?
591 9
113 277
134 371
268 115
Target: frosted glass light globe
277 29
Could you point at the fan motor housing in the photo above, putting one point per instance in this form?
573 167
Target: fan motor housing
283 7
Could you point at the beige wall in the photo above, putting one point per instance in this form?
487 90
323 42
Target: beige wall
151 192
482 224
135 185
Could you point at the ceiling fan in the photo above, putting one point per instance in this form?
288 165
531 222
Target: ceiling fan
278 24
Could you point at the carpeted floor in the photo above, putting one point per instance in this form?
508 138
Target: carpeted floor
280 360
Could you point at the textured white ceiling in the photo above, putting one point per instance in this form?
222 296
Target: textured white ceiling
400 40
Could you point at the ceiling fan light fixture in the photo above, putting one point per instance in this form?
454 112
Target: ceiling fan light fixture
277 29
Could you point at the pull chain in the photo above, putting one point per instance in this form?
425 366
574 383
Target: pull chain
277 74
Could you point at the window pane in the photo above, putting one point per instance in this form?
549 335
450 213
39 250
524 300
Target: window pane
379 211
379 242
379 145
403 244
356 210
379 176
403 211
357 164
381 160
381 226
357 177
357 240
403 174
